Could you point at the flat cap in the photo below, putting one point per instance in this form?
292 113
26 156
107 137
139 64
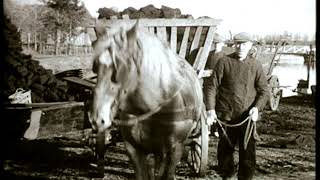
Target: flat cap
242 37
217 38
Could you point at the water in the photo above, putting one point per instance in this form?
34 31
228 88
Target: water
290 70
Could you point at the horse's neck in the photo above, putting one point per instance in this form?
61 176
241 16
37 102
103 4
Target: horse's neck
159 77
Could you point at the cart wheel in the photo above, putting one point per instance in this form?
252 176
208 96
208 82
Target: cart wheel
275 93
198 154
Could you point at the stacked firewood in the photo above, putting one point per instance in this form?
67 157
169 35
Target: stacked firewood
21 71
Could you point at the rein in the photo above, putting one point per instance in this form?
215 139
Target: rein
251 128
136 120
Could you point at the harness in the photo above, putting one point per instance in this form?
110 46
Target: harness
137 119
251 128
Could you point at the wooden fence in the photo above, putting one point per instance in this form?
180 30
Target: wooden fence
30 42
51 49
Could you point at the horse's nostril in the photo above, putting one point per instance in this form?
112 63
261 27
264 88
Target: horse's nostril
102 121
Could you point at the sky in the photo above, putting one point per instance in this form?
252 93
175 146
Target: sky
253 16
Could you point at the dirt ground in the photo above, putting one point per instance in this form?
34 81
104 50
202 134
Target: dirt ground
286 151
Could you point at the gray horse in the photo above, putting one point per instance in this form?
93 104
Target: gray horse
156 94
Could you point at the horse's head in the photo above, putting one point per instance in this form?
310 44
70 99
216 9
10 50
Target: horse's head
115 51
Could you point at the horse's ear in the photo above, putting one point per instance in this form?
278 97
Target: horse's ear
99 29
133 32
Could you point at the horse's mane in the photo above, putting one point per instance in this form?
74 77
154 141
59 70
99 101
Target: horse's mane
158 61
159 73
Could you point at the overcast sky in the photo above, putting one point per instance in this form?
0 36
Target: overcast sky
253 16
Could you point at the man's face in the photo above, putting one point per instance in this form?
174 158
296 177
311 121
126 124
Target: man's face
242 49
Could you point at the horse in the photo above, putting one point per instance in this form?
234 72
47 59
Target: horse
150 93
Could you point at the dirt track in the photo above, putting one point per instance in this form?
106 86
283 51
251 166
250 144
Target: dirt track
286 151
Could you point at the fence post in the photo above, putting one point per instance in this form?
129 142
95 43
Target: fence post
29 39
40 44
35 42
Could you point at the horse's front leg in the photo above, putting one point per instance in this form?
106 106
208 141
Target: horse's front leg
170 161
100 151
140 163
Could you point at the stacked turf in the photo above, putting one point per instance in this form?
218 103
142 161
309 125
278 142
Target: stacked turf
20 71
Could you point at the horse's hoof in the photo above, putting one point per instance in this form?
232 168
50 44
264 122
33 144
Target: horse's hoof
100 168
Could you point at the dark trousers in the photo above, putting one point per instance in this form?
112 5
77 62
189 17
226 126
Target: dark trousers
247 158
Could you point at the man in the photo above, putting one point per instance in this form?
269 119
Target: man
237 89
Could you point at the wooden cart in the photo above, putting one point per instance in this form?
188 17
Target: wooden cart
269 58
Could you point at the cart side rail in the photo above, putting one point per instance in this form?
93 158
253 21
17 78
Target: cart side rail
182 35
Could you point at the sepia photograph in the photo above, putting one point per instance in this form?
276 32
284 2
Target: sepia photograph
158 90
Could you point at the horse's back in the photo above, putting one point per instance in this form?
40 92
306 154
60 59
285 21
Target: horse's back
192 86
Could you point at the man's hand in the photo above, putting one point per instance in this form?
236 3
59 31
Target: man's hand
254 113
211 117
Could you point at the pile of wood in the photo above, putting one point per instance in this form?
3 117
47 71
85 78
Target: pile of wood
20 71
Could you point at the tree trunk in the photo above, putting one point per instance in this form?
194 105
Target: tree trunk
69 45
57 43
70 35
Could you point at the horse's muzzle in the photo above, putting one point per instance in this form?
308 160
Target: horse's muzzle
98 123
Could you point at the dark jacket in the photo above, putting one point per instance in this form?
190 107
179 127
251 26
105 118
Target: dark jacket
235 86
213 58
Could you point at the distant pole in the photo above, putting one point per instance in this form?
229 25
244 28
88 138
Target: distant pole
308 64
